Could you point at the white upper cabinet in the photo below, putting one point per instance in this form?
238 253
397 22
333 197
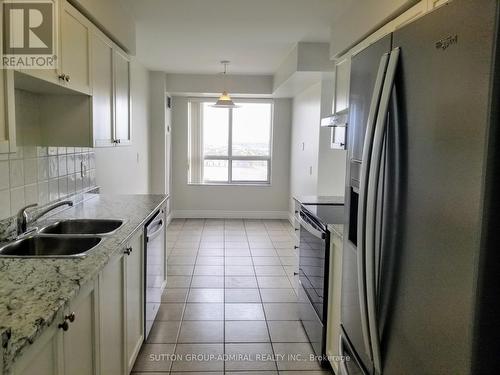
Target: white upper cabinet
73 68
122 98
75 50
102 93
7 112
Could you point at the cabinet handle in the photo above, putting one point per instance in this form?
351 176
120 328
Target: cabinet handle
118 141
71 317
295 247
64 325
128 250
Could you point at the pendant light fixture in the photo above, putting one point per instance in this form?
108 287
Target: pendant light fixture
225 100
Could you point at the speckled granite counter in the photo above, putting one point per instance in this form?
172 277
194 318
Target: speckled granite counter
33 291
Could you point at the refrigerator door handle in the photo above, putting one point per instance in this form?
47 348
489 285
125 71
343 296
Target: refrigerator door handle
373 183
367 151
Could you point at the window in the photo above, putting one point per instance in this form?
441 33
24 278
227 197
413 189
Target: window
230 146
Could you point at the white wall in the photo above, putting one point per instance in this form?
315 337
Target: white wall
125 170
213 84
231 201
158 133
113 17
315 168
305 145
357 19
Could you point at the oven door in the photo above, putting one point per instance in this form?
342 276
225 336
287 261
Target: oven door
313 280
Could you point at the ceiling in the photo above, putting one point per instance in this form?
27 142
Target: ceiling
192 36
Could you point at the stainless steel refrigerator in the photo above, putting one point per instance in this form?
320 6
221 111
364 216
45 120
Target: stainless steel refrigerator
421 269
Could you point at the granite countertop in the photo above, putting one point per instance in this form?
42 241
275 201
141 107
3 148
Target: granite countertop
33 291
320 199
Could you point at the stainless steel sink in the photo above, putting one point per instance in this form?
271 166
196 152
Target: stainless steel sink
36 246
83 226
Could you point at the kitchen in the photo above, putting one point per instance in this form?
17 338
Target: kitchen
265 187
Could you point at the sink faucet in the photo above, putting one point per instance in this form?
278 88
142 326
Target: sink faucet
22 215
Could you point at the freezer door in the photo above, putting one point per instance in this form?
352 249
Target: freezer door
366 67
427 276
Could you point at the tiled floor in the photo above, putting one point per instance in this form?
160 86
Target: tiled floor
229 306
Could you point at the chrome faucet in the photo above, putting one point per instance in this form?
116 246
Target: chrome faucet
23 218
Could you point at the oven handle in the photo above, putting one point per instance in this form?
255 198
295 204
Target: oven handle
316 233
152 236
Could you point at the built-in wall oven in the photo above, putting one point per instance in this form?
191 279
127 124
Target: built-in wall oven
155 267
314 248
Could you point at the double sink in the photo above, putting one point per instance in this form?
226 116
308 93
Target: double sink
65 238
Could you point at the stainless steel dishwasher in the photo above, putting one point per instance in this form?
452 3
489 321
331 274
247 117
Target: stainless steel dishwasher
155 265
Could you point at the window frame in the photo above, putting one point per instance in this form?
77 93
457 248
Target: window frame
230 157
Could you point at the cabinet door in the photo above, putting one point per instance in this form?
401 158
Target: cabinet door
134 297
80 349
102 91
75 49
50 75
111 312
7 112
122 98
45 357
342 77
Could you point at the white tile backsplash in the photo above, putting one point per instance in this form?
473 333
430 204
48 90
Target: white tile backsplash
71 163
16 173
43 192
42 151
53 190
53 166
17 199
30 171
43 168
63 186
4 175
63 168
5 203
31 194
30 152
43 179
52 151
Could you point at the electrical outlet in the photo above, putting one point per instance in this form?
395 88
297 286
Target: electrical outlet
83 169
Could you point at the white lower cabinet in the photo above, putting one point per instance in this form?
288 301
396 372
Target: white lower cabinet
134 298
111 312
102 329
68 345
121 309
79 341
